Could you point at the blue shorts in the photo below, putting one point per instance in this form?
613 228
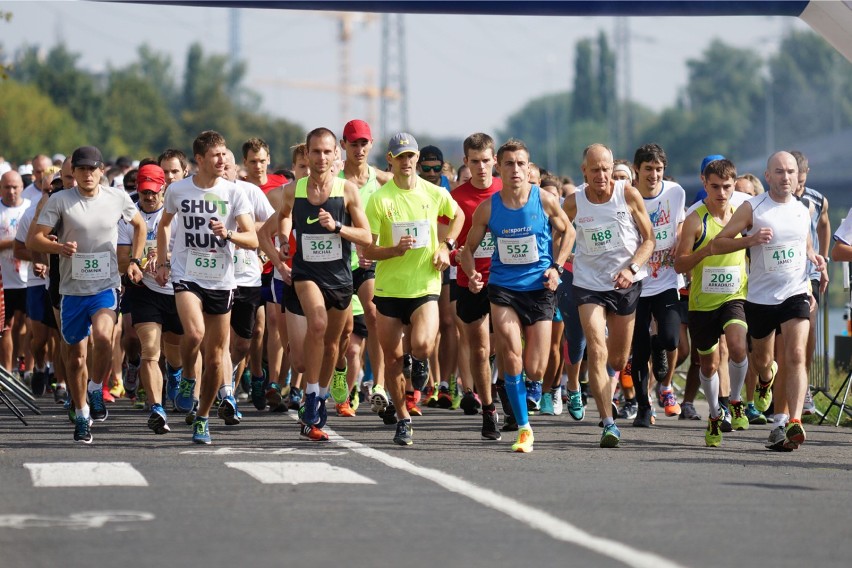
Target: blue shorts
76 313
36 302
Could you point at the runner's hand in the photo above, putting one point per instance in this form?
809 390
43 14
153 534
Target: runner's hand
405 243
326 221
163 275
134 273
474 283
551 279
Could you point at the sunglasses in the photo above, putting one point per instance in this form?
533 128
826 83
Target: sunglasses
435 169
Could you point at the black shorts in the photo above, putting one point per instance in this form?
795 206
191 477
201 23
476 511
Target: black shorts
247 299
815 290
705 328
289 300
619 302
454 290
531 307
147 306
361 275
16 301
472 307
334 298
401 308
359 326
445 277
763 320
213 302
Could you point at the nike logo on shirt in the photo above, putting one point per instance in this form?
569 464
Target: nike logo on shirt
312 221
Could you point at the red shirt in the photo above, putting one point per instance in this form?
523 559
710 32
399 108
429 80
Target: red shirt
469 197
273 181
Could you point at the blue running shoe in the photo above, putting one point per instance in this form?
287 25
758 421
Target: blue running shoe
201 431
228 411
308 412
258 392
533 396
82 432
185 398
158 421
322 414
98 408
172 382
610 437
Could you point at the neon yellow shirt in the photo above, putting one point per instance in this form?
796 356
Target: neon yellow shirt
716 279
393 213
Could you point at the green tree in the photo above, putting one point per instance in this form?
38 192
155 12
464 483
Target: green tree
585 102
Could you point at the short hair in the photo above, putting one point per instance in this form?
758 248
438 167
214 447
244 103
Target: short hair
206 140
801 161
755 181
147 162
479 142
649 153
299 151
173 154
723 169
589 148
512 145
318 133
255 145
550 180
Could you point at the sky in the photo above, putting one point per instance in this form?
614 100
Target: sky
464 73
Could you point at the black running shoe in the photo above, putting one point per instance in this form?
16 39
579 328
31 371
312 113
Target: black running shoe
644 417
490 421
419 373
403 433
388 415
38 382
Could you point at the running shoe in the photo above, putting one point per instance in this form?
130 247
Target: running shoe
59 394
725 415
378 399
739 420
403 433
296 395
432 398
131 380
201 431
273 396
82 430
228 411
312 433
339 388
533 395
258 395
141 400
754 415
610 436
524 444
763 391
38 383
190 416
158 421
419 373
628 410
556 397
794 435
322 412
509 424
808 408
355 398
546 407
388 415
575 405
713 434
172 382
688 412
457 396
777 438
98 408
185 398
445 399
108 396
113 392
644 417
308 411
470 403
345 410
490 430
406 366
670 404
411 405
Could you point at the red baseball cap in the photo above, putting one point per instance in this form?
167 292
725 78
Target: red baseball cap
356 130
150 178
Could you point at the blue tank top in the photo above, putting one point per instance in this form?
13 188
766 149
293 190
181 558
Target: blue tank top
523 248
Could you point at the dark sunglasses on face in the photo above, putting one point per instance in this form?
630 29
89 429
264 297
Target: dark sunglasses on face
435 169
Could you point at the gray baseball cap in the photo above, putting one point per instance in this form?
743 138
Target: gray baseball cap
401 143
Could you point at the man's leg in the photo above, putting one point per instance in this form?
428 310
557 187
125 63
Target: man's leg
192 320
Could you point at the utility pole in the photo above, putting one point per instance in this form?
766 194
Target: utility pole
393 114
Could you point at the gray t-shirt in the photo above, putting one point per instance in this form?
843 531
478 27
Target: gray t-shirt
93 223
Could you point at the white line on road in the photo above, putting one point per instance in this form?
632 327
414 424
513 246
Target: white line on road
85 474
295 473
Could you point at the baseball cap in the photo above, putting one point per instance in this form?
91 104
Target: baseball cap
87 156
150 178
431 153
356 130
400 143
708 159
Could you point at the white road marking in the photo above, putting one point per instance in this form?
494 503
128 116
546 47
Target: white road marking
76 521
264 451
295 473
85 474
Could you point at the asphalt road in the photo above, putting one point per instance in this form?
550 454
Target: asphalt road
659 500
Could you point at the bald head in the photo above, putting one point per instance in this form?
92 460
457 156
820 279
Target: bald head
597 168
40 164
11 186
597 152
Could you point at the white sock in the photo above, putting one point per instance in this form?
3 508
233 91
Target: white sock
312 388
226 391
323 391
780 419
737 371
94 387
711 392
84 412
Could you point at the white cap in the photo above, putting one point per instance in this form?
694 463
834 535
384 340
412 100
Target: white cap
25 169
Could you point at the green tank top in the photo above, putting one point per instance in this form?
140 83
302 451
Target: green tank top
365 191
716 279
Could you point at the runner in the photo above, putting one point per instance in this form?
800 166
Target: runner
14 342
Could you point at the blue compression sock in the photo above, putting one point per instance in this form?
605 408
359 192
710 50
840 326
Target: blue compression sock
516 392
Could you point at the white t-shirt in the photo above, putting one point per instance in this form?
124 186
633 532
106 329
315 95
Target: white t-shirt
125 237
844 231
32 193
198 256
247 268
21 236
666 211
14 271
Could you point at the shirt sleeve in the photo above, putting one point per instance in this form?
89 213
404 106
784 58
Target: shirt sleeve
844 231
241 203
50 214
24 227
129 211
125 233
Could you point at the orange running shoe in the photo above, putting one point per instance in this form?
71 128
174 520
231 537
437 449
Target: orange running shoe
311 433
670 403
108 397
345 410
411 405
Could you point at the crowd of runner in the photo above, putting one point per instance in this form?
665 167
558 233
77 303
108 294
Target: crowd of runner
203 285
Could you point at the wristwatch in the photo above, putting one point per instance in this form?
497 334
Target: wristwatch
451 244
136 261
634 268
229 235
338 226
559 268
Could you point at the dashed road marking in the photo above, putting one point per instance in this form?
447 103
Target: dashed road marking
295 473
85 474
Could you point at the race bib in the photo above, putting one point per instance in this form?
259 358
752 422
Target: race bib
242 261
321 248
518 251
420 230
205 265
486 246
665 236
602 239
785 257
454 272
90 266
721 279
